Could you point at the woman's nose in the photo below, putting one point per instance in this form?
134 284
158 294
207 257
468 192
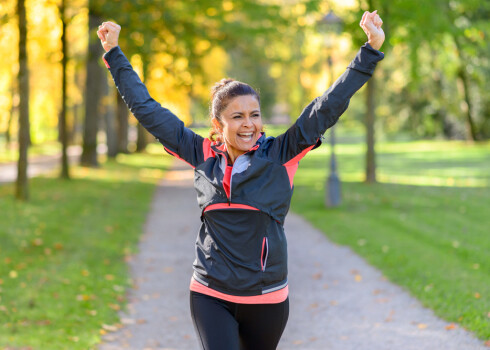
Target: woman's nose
247 121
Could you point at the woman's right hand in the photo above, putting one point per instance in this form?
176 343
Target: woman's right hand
109 34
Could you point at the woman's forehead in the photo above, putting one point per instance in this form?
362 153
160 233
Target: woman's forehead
243 103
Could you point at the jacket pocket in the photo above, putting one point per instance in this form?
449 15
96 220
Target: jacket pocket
264 254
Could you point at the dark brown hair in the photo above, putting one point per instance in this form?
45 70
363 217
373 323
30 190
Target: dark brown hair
221 95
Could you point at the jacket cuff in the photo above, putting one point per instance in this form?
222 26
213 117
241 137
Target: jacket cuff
111 55
366 59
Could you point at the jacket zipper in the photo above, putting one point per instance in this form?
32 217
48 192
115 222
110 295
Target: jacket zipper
264 254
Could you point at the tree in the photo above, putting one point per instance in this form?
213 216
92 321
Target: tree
22 190
93 89
65 174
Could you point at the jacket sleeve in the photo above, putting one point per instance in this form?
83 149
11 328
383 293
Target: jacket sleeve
324 111
160 122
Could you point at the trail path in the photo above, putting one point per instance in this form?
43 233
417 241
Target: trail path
338 301
38 165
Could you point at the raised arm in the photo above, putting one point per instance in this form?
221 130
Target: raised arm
160 122
324 111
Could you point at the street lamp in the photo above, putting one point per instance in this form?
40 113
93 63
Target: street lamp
331 25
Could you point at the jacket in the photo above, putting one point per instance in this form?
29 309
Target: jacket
241 247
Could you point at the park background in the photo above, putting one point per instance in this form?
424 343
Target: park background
412 150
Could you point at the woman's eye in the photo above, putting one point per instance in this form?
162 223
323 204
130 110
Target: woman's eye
237 116
256 115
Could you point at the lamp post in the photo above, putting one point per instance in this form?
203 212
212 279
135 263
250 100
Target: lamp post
331 24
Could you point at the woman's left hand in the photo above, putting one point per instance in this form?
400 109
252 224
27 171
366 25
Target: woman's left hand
371 24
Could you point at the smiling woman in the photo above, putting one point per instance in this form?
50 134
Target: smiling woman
235 116
244 183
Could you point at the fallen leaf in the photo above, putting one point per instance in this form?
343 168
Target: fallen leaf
115 307
477 295
313 306
317 276
334 303
297 342
85 273
451 326
109 277
487 343
422 326
37 242
358 278
390 316
13 274
141 321
58 246
109 328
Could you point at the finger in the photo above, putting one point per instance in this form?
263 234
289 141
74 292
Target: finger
113 25
363 19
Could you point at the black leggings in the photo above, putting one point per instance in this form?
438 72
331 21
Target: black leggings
222 325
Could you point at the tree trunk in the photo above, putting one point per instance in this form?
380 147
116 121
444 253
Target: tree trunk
471 127
142 140
65 173
110 122
93 92
122 124
22 189
142 134
370 119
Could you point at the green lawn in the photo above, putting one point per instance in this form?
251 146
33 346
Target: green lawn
63 271
426 224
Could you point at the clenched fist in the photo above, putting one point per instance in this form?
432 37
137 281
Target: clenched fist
371 24
109 34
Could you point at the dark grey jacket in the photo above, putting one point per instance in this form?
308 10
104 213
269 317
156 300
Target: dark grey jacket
241 247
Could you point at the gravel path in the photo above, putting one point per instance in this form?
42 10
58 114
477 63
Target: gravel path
338 302
38 165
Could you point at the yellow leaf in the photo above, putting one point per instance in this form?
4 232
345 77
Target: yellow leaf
422 326
13 274
451 326
477 295
109 277
85 273
358 278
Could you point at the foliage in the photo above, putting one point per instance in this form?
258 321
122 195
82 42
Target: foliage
63 272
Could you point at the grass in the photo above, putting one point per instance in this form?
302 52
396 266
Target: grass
425 225
63 271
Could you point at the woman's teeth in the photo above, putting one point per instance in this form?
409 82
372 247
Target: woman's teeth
247 135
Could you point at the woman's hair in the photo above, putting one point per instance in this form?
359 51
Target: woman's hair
221 95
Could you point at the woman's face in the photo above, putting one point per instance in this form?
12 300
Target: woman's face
240 125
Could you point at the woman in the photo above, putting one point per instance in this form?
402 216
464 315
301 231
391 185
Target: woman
244 182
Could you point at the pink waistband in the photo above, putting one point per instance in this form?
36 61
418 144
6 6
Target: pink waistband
275 297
